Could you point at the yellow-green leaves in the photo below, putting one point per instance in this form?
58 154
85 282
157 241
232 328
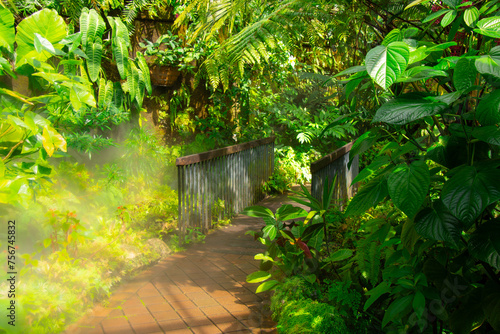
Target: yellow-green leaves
52 140
7 32
385 64
471 15
92 27
51 29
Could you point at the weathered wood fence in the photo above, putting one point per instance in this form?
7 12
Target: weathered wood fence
335 163
233 174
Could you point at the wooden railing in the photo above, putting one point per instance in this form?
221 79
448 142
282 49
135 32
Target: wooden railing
333 164
222 182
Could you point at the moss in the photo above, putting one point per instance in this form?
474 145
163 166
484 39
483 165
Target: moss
293 289
310 316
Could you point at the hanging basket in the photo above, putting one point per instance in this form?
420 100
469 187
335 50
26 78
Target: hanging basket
163 75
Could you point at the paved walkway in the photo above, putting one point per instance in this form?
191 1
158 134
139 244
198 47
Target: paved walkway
200 290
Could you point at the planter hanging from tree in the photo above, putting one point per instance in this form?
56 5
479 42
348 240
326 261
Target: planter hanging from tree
163 75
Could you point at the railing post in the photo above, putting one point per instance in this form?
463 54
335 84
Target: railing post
335 164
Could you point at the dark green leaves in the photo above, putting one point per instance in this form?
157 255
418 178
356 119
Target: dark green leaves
386 63
489 134
470 191
397 308
407 108
438 224
408 186
488 109
465 74
484 243
370 195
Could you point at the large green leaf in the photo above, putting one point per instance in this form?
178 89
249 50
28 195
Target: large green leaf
408 186
491 305
418 73
488 109
397 309
119 29
465 74
7 32
92 27
386 63
94 52
133 80
268 285
105 93
48 24
471 15
258 211
469 191
484 243
258 276
143 66
407 108
81 94
375 293
363 143
437 223
370 195
489 134
120 53
288 211
469 313
448 18
340 255
487 65
372 168
489 27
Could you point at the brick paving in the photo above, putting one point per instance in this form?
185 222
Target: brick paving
202 290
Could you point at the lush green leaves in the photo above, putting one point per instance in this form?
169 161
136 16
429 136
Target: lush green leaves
484 243
397 308
7 33
370 195
47 24
386 63
408 186
437 223
489 26
407 108
258 211
467 193
258 276
487 109
465 74
489 134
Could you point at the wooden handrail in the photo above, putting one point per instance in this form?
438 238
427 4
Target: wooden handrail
328 159
194 158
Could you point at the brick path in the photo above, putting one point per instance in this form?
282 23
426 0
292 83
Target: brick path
200 290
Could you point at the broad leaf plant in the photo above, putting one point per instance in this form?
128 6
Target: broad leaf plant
439 115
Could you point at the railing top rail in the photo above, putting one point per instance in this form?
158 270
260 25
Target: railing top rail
194 158
328 159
